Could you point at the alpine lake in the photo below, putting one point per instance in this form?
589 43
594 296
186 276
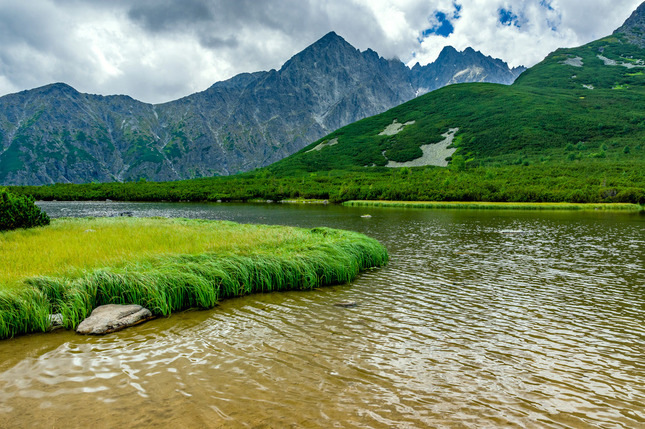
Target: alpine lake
481 319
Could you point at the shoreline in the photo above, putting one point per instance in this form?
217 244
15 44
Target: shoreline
482 205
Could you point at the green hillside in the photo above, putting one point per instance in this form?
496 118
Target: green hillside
551 114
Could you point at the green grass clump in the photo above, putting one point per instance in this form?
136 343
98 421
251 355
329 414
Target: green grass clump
180 264
494 206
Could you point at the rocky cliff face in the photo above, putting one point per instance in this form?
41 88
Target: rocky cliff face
634 27
55 134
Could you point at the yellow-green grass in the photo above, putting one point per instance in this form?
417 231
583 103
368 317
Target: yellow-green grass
74 265
476 205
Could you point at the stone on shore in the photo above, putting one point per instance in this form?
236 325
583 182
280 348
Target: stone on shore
113 317
55 321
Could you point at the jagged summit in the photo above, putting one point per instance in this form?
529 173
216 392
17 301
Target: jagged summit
330 37
58 87
330 41
330 47
634 27
453 66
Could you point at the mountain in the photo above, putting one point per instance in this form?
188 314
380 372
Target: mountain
453 67
55 134
634 27
583 105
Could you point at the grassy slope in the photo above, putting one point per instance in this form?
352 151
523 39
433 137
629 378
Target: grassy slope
164 265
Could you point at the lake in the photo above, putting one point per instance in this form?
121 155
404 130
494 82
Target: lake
481 319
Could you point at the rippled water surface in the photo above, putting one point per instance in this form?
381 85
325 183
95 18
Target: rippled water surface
481 319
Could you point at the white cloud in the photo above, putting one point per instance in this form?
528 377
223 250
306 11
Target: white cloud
161 50
479 27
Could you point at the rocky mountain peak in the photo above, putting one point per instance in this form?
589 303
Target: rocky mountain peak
58 89
330 38
446 53
328 46
634 27
469 65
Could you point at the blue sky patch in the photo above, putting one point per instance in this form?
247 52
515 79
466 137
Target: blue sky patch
456 14
444 28
507 17
441 23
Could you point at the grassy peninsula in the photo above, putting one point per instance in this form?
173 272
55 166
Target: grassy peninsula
74 265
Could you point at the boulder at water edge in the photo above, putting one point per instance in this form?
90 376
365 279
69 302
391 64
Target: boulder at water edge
113 317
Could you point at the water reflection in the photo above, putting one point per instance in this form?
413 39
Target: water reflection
482 319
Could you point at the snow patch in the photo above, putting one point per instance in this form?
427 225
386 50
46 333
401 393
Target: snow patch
471 73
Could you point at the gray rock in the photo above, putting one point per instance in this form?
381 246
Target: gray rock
55 321
113 317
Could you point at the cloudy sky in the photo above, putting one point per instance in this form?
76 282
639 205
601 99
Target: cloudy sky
160 50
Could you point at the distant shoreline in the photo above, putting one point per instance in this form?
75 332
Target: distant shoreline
482 205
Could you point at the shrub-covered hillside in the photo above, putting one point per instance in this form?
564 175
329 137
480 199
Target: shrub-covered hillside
586 102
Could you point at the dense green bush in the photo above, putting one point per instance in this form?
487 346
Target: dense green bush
589 180
19 211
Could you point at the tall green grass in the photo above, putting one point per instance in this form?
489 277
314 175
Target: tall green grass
493 205
168 282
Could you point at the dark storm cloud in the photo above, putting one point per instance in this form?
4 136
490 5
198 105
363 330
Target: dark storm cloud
29 37
167 15
214 42
182 15
158 50
216 22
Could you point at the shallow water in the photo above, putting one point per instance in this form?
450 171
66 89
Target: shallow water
481 319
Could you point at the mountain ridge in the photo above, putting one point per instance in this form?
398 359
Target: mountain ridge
56 134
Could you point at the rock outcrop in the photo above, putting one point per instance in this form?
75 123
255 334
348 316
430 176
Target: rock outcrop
634 27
